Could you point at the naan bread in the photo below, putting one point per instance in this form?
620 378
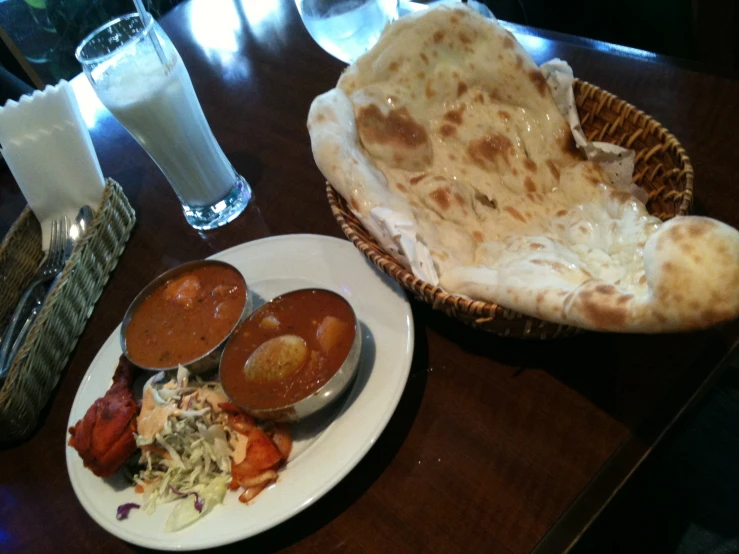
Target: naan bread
449 127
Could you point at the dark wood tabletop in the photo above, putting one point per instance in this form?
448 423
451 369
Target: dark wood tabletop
497 445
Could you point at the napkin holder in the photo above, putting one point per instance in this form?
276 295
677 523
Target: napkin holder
41 360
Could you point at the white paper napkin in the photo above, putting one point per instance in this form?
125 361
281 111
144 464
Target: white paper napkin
397 235
48 149
617 162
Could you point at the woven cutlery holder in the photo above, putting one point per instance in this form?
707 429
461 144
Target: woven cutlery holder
52 337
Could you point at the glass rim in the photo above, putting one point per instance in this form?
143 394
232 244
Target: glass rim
142 33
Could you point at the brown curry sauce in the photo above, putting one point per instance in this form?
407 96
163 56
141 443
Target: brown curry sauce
186 317
300 313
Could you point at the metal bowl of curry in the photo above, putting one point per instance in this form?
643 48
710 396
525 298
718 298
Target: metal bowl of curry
293 356
185 316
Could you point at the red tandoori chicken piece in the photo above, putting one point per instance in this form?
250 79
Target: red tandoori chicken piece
105 438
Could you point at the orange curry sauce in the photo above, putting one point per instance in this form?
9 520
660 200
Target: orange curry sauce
302 313
186 317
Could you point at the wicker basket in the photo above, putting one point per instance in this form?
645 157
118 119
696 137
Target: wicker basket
662 168
52 337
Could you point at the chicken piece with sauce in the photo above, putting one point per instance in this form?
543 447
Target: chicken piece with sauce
104 437
183 290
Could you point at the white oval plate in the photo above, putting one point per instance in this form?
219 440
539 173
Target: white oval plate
326 449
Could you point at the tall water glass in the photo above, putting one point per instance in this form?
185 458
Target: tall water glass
138 75
346 29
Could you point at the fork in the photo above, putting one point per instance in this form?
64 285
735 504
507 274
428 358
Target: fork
49 268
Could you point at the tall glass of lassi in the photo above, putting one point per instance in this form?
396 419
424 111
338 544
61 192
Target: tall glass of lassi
138 75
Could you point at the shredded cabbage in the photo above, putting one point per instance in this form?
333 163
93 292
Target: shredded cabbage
189 459
187 512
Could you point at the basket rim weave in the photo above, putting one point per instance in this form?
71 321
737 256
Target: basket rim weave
483 311
645 123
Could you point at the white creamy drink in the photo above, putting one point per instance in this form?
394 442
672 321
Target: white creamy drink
137 73
158 106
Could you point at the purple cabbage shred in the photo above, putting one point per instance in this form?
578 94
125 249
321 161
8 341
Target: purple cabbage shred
199 502
124 509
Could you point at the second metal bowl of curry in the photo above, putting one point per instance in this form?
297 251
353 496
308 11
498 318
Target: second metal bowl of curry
293 356
185 316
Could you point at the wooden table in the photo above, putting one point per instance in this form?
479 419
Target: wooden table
497 445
